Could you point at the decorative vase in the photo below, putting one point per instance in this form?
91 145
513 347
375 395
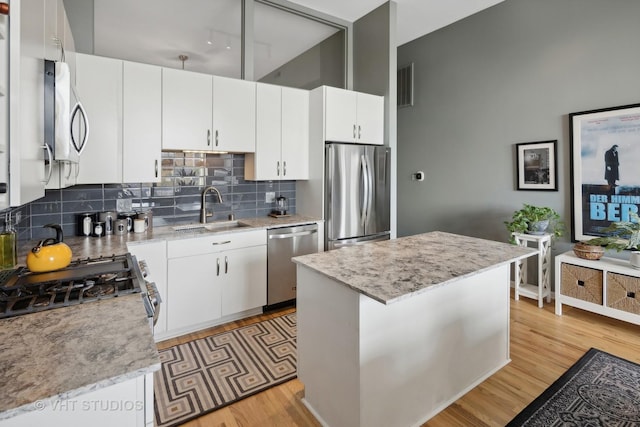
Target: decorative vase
538 227
585 251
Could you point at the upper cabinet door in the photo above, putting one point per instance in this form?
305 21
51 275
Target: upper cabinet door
353 116
99 85
370 119
340 115
186 110
142 122
234 115
268 134
26 102
295 134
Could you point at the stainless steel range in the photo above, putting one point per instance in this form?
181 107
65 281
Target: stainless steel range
83 281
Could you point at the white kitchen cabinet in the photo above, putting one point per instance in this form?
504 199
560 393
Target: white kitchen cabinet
194 292
142 122
123 101
244 279
282 135
154 254
207 113
186 110
123 404
353 116
26 102
99 83
234 115
213 276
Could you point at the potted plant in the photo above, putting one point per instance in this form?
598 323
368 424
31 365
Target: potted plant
535 220
622 235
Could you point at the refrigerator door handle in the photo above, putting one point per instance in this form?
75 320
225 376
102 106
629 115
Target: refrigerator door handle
371 187
366 190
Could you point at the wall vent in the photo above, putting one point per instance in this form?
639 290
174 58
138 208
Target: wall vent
405 86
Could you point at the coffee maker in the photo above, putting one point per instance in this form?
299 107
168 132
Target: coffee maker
282 206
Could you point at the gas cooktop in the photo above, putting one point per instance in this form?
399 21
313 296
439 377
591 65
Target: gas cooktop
84 280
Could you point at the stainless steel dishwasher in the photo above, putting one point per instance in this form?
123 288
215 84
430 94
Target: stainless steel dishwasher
282 245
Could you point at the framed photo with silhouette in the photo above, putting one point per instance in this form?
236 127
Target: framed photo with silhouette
537 164
605 177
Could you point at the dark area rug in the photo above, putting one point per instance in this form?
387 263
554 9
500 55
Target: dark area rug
600 389
206 374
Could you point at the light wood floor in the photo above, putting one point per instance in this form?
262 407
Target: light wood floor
543 346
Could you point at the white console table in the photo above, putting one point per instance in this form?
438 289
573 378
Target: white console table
609 286
522 286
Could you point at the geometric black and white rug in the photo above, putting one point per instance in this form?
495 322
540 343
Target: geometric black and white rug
600 389
206 374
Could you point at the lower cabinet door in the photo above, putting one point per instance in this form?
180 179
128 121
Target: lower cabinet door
194 290
244 284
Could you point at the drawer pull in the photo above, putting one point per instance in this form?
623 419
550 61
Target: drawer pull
631 294
580 283
221 243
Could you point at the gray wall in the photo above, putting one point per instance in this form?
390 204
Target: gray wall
509 74
374 71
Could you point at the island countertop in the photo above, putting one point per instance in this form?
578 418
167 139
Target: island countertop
395 269
69 351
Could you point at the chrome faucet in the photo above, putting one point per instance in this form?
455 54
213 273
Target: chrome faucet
203 210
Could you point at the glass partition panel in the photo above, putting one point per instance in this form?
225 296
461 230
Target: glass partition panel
161 32
294 50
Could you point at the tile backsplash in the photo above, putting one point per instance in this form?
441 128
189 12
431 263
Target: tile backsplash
176 199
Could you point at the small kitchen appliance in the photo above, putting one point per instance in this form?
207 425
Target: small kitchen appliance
282 206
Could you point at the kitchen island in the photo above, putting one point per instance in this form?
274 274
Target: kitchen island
391 333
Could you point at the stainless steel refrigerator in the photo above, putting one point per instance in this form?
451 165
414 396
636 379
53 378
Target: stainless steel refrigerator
356 194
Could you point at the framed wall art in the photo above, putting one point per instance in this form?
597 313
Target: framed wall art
537 165
605 168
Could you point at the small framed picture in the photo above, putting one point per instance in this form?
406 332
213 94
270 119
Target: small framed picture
537 165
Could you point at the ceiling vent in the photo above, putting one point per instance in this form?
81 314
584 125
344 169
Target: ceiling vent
405 86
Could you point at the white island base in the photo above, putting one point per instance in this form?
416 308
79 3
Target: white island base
365 363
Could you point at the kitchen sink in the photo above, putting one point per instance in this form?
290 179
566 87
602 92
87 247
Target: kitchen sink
212 226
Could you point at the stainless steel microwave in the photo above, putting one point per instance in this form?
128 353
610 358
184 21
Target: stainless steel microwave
66 125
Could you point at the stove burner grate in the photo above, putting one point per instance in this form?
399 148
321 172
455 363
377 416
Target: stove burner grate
83 281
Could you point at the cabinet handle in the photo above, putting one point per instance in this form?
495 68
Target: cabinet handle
208 137
156 167
284 168
358 131
217 266
354 130
226 265
216 137
49 161
221 243
4 8
278 168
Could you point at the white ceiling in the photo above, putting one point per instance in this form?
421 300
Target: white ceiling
208 31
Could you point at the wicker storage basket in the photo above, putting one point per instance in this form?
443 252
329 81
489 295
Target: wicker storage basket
582 283
623 292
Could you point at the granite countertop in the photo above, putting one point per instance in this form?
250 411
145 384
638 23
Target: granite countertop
66 352
391 270
93 247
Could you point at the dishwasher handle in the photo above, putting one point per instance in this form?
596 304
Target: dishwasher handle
291 235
